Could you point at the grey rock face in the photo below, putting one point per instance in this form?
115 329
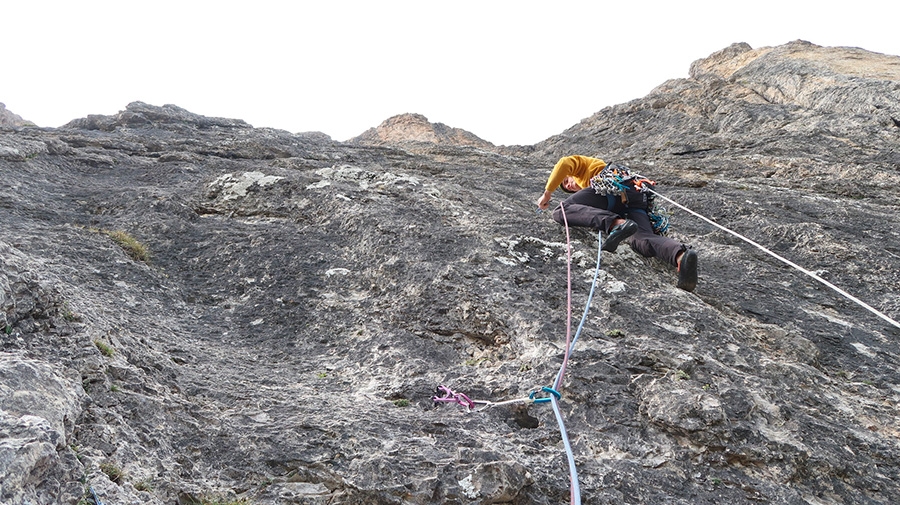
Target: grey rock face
299 299
40 407
8 119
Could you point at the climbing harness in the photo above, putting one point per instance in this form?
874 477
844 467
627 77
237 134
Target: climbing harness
615 181
553 395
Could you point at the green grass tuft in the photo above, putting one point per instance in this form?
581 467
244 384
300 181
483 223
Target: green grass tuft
132 247
69 315
143 485
105 349
114 473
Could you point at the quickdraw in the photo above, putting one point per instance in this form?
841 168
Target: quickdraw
450 396
443 394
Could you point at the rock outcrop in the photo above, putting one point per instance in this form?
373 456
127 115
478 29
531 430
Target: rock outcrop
412 130
193 309
10 120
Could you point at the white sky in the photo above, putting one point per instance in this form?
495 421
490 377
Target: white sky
511 72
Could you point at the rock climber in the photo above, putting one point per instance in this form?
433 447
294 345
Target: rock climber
611 199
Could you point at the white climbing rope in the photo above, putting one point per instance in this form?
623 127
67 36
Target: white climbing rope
784 260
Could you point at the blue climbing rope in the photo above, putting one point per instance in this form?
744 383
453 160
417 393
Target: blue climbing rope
558 382
94 496
553 394
575 490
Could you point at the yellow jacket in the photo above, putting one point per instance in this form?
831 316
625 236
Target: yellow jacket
581 168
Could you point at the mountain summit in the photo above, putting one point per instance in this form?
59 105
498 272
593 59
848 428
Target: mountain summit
415 128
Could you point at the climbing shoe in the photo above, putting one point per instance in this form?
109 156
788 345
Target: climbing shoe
618 234
687 271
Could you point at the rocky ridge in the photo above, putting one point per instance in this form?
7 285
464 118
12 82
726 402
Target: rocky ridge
10 120
300 298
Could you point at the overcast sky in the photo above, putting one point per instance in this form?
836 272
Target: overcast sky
511 72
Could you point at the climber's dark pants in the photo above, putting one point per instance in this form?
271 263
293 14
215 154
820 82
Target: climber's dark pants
587 208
